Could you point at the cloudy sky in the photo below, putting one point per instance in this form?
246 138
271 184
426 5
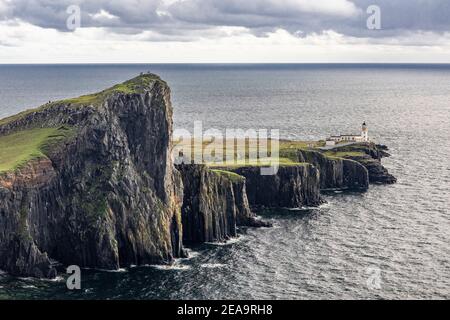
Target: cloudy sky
152 31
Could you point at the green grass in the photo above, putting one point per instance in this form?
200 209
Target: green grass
17 149
344 154
135 85
233 177
288 150
263 162
293 144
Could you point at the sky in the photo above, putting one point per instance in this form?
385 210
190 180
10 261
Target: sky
224 31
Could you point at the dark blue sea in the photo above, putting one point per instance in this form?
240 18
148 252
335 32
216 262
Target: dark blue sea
391 242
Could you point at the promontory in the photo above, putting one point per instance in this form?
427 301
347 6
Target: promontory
90 181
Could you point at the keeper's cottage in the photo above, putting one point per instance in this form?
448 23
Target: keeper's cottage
364 137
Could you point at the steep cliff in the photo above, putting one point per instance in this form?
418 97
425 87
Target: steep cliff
368 155
106 195
293 186
215 203
336 173
90 181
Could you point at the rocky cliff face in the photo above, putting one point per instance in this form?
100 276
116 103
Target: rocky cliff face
369 155
337 173
215 203
107 197
105 192
293 186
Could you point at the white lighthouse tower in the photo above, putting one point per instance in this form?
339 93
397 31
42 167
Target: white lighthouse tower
365 132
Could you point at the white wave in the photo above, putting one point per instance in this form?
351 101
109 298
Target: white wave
29 287
191 254
228 242
114 271
56 279
107 270
169 267
212 265
305 208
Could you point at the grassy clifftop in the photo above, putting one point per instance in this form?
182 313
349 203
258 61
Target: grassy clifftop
23 145
19 148
134 86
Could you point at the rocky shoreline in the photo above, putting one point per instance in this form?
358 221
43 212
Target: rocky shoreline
106 194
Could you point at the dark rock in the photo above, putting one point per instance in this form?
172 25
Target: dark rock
337 173
378 174
109 197
214 205
292 186
370 158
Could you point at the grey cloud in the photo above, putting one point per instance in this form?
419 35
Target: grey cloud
189 19
398 16
134 14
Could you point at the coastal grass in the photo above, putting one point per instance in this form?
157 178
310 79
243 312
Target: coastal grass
300 144
19 148
344 154
248 154
233 177
135 85
262 162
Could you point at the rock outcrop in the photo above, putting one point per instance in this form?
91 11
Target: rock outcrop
293 186
369 155
337 173
107 197
215 203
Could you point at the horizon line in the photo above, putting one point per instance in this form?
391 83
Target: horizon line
226 63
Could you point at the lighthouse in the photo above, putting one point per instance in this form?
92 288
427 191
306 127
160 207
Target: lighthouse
365 132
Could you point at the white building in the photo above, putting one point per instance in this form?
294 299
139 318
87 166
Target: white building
363 137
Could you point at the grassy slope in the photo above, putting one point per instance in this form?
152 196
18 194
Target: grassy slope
287 151
255 163
135 85
344 154
18 148
233 177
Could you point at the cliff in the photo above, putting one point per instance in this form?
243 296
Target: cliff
337 173
90 181
100 190
293 186
368 155
215 203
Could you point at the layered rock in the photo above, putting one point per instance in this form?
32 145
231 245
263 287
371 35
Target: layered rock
293 186
107 194
105 198
337 173
215 203
369 155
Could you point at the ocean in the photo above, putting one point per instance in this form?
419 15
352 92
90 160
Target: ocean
391 242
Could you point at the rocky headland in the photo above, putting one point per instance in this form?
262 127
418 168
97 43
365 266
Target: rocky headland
90 181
